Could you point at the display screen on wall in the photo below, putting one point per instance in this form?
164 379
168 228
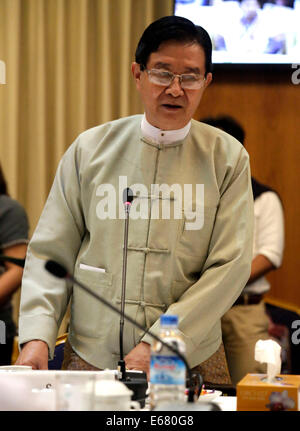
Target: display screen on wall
248 31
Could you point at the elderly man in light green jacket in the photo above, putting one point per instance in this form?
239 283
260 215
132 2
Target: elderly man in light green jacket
190 233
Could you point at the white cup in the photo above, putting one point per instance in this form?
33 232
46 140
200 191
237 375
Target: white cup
74 390
107 374
112 395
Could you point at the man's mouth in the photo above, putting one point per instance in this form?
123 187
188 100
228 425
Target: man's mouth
171 106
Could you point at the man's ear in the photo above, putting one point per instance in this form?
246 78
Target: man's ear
208 79
136 73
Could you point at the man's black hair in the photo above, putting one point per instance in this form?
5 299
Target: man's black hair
174 28
228 124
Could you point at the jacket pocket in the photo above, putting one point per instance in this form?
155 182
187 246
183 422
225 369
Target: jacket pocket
89 317
93 277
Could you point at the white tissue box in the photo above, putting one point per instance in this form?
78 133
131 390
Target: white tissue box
255 394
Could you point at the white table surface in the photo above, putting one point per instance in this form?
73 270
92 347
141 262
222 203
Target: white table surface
226 403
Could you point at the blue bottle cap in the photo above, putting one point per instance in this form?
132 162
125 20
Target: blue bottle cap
167 319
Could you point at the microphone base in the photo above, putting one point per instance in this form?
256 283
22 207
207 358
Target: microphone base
137 382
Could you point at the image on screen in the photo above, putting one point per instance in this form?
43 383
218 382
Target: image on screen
248 31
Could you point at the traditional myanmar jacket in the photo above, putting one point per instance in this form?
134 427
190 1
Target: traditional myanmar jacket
189 245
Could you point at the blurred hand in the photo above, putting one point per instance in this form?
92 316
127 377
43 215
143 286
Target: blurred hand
139 358
35 354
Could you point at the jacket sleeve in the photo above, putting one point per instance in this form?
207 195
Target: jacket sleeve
58 236
228 264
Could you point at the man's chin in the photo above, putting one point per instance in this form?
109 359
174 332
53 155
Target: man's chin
172 120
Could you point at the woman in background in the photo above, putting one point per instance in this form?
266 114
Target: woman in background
13 243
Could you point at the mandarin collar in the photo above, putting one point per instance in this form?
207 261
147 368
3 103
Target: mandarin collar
165 137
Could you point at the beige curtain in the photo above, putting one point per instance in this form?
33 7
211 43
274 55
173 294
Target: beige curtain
68 69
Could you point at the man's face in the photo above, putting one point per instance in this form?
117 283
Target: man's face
171 108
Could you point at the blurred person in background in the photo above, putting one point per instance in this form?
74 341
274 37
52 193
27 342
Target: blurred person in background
13 243
251 31
247 321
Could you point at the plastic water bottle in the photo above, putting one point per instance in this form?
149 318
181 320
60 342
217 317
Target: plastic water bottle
167 370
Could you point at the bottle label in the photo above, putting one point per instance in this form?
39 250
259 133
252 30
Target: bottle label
167 370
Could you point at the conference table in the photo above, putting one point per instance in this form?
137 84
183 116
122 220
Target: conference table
60 390
31 390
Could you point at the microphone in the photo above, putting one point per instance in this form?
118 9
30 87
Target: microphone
127 196
59 271
127 199
15 260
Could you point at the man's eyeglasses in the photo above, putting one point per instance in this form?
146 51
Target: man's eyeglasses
190 81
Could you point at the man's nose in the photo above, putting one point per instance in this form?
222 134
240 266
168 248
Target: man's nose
175 88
